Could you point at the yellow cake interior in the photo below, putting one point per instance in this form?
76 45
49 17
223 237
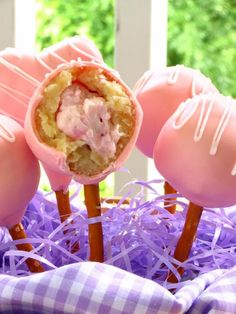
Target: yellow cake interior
81 159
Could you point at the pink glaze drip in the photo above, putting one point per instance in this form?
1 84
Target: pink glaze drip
83 115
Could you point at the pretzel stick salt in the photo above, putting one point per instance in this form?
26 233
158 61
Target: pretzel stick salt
187 237
168 189
17 232
92 202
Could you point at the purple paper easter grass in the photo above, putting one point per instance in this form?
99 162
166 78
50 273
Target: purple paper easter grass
139 237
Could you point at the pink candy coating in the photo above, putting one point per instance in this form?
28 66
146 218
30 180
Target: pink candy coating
19 172
54 160
196 150
21 72
160 93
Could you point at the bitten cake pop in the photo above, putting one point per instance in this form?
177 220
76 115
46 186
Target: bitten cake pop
19 178
195 152
83 121
159 94
21 73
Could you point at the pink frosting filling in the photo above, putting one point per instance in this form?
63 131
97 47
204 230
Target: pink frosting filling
84 115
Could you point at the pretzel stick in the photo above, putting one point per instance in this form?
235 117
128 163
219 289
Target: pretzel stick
63 204
92 202
17 232
168 189
64 209
187 237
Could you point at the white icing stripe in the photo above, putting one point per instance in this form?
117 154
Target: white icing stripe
180 111
11 116
140 84
13 97
55 55
222 125
202 122
19 71
8 88
6 134
174 76
81 51
43 63
207 83
172 79
233 172
196 73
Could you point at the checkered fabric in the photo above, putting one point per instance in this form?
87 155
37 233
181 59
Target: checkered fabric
98 288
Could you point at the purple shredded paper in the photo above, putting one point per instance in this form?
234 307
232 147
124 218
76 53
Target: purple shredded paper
139 237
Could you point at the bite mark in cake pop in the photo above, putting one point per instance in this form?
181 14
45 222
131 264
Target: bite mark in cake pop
101 103
84 115
84 160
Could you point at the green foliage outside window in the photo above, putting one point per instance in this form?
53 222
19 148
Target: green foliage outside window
57 19
202 35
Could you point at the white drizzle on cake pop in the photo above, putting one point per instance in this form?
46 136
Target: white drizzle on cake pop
6 88
82 52
19 71
178 123
44 64
174 76
55 55
6 134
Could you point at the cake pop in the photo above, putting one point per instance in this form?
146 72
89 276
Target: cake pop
159 94
22 72
195 152
83 121
19 178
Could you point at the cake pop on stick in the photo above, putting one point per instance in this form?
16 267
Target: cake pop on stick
19 178
195 152
83 121
22 72
159 93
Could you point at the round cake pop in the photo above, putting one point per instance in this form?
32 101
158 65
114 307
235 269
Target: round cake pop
83 121
21 72
19 178
195 150
195 153
160 93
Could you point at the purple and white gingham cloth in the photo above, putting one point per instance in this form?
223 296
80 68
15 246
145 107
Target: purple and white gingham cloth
89 287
